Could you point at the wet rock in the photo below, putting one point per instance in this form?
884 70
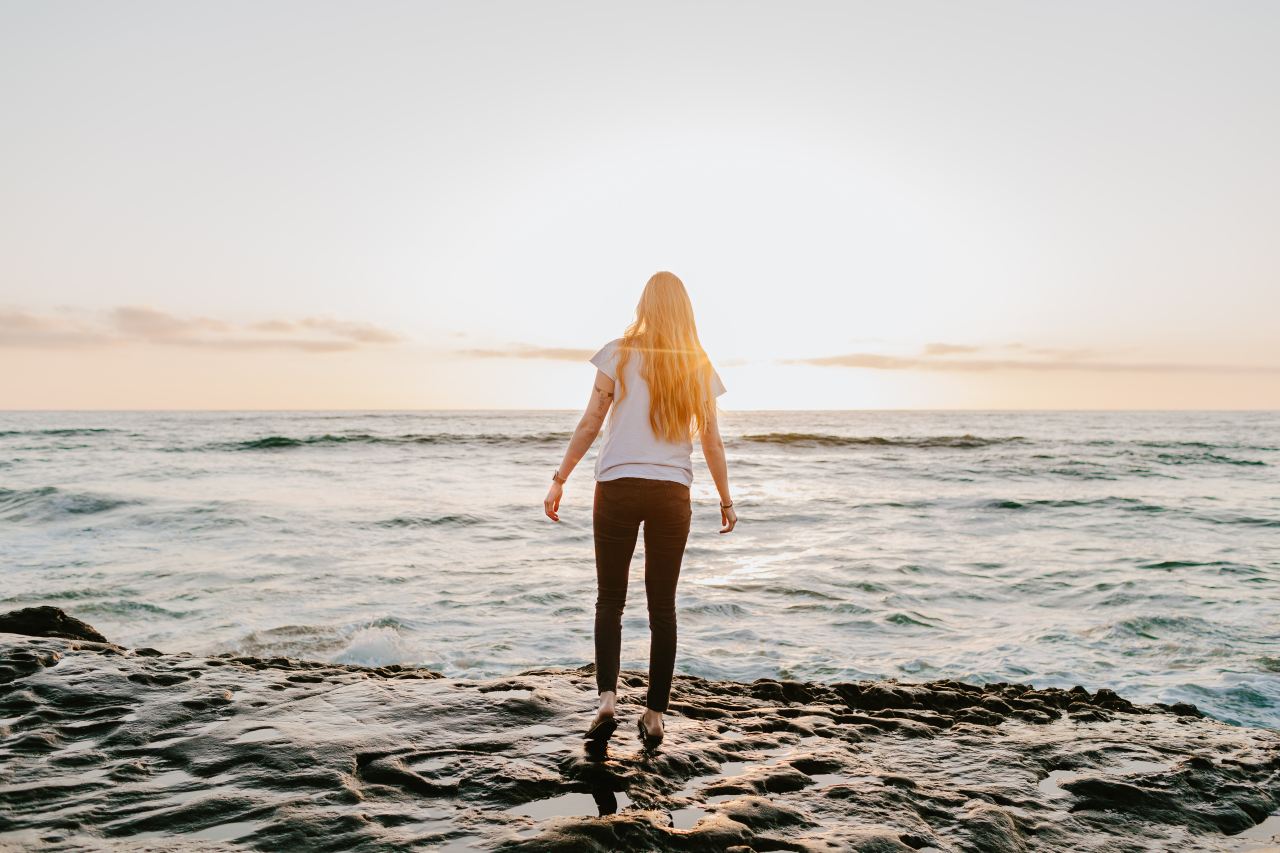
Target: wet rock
608 834
992 829
1182 709
390 770
110 748
1223 805
48 622
761 813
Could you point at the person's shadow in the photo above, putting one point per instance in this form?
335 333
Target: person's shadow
606 800
600 779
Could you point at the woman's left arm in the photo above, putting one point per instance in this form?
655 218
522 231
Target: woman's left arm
585 433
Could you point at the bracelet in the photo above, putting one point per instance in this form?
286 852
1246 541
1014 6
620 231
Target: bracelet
555 475
726 506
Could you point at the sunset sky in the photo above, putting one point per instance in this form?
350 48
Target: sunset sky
430 204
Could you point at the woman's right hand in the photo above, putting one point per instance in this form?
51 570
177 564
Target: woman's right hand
551 503
729 518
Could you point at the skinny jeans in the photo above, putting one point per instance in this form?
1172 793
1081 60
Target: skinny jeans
619 508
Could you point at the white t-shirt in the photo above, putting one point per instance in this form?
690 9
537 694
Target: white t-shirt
630 448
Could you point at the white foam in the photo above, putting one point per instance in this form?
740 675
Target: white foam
376 647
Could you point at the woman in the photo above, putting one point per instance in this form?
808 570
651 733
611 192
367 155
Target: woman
666 390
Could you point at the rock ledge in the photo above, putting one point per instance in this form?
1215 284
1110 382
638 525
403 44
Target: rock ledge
103 747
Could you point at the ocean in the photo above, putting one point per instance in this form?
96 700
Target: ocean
1138 551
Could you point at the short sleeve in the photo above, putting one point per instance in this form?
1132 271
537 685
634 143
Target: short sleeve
606 358
717 387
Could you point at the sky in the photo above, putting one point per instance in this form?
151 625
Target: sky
395 205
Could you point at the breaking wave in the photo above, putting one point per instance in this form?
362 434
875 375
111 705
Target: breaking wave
815 439
47 503
278 442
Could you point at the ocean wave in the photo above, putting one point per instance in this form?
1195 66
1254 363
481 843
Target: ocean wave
1163 627
1132 504
279 442
377 646
1205 457
193 519
129 608
48 503
64 595
545 596
799 592
1247 520
843 607
302 641
818 439
4 433
722 609
912 619
1079 473
1169 565
1204 445
432 521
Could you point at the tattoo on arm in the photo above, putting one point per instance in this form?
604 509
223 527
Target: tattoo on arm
602 401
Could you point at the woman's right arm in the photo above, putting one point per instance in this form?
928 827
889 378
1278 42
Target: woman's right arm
585 433
713 450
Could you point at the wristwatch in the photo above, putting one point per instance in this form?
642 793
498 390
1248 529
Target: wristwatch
555 475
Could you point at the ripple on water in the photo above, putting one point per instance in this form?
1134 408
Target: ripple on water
1164 627
126 607
449 520
49 503
913 619
1125 503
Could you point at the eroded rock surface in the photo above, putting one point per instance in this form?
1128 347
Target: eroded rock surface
103 747
48 622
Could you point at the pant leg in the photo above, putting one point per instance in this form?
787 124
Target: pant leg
666 530
615 526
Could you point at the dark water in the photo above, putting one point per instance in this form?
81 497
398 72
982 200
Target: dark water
1137 551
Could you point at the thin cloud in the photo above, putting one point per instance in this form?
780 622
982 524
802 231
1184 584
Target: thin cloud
944 349
1063 353
148 324
950 349
360 332
928 361
527 351
23 329
132 324
365 333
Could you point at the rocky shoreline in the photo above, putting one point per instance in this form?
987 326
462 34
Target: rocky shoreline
106 748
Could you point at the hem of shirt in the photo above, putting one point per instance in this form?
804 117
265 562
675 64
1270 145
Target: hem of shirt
644 470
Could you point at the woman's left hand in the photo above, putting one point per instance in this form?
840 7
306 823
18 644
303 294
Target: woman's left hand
552 504
729 518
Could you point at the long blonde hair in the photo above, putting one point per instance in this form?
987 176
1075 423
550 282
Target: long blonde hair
675 366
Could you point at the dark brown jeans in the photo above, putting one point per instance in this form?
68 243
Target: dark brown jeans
620 507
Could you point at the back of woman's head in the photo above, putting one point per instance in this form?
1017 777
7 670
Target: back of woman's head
675 367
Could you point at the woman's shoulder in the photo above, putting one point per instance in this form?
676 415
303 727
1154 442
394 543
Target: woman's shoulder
606 356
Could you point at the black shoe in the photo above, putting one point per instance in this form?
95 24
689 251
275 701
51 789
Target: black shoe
599 734
650 741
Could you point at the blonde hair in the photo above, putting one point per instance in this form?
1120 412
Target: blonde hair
675 366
